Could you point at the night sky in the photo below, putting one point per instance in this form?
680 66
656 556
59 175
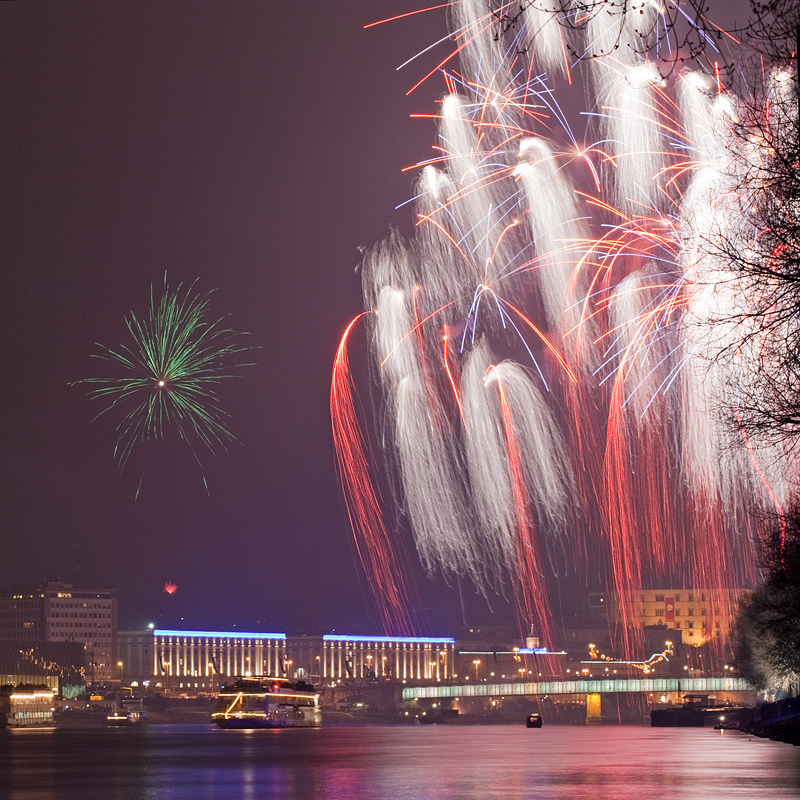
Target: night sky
253 146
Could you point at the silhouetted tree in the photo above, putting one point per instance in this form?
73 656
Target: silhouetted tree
767 631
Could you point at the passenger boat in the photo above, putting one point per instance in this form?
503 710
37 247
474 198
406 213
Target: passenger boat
264 702
533 721
26 706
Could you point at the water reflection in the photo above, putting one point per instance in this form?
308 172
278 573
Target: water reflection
403 763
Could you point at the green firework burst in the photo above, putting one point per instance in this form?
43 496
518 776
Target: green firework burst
168 375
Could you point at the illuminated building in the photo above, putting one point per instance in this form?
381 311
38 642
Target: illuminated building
699 614
196 661
60 612
418 658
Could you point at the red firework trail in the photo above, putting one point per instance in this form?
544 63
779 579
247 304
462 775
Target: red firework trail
649 499
372 542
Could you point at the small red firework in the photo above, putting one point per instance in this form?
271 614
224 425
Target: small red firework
170 588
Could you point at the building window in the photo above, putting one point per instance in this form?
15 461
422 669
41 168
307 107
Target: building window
677 598
691 633
659 598
677 626
677 612
659 612
690 624
691 612
691 598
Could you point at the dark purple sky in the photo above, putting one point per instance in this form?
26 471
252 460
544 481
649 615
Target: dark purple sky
251 145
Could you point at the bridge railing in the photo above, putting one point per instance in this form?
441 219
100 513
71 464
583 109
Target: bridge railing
662 685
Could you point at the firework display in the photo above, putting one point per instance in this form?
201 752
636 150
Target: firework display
558 348
167 377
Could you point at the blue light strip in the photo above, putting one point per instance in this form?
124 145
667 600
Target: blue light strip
220 634
335 637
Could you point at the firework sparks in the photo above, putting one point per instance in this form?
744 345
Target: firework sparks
601 432
168 373
170 588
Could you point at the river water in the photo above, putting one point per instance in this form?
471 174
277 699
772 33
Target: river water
441 762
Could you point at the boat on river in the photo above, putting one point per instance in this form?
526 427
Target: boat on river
123 717
266 702
533 721
26 706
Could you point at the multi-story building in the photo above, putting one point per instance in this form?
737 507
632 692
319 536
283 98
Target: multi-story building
699 614
418 658
197 661
22 617
60 612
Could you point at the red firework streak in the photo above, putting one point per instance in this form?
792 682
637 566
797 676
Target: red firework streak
621 519
373 545
532 583
170 588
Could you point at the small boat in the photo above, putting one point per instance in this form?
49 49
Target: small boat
533 721
123 717
265 702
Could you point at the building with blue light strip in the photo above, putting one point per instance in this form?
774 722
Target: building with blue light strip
419 658
198 661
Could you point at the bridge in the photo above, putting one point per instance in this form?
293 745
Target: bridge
584 687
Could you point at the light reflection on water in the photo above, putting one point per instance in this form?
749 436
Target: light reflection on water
456 762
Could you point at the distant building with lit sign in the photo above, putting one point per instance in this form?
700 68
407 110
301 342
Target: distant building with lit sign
699 614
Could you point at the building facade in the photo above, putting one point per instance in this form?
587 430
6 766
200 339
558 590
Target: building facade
699 614
60 612
417 658
199 661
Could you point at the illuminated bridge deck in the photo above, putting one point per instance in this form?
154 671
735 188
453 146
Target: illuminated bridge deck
615 685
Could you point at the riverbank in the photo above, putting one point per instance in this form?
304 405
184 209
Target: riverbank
779 721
